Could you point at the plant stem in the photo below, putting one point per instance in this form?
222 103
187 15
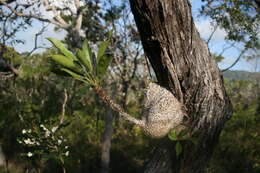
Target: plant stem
105 98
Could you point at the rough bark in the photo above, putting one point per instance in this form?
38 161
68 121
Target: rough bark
182 63
106 141
107 137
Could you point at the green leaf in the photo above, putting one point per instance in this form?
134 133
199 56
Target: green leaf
178 149
103 64
84 58
183 133
102 49
73 74
85 46
63 61
172 135
59 72
87 51
61 47
79 77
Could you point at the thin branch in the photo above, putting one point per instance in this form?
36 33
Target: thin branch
77 4
63 110
118 63
79 18
79 22
235 62
226 48
35 44
135 63
36 40
59 21
107 100
211 35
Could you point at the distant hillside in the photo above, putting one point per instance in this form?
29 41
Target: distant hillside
241 75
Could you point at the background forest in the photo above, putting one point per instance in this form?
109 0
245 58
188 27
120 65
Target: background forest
53 123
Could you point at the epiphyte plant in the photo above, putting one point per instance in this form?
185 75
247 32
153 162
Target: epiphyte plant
162 110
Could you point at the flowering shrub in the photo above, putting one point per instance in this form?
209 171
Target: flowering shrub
45 142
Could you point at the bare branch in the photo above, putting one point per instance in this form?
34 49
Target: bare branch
236 61
36 40
10 1
35 46
58 20
80 13
64 106
77 4
212 33
226 48
79 22
138 51
63 110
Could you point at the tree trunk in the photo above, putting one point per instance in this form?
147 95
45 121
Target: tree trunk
106 140
183 64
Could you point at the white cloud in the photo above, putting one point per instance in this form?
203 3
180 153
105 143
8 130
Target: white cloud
205 29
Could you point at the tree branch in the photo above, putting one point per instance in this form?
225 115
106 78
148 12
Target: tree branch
77 4
236 61
211 35
36 40
226 48
63 110
79 17
59 21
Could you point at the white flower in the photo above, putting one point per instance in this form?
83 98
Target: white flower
66 147
23 131
54 129
29 131
28 141
29 154
44 128
59 141
47 133
67 153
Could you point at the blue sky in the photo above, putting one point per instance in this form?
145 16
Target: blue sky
203 25
218 43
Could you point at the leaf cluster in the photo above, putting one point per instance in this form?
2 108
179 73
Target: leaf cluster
84 66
